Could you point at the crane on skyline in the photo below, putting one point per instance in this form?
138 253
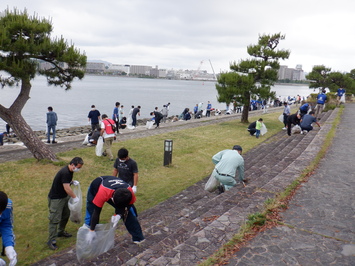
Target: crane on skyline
200 65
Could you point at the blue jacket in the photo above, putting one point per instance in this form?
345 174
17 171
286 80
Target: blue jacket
6 226
321 98
52 118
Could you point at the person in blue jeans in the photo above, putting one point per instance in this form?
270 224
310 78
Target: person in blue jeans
51 124
119 195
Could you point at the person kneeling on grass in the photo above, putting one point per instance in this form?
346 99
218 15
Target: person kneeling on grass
119 195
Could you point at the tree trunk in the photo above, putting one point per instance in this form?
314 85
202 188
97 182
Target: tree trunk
13 117
245 113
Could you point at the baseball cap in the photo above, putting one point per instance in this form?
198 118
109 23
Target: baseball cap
237 147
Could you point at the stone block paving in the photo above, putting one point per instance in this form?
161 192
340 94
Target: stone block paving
321 215
193 224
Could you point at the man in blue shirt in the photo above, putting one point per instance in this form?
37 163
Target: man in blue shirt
321 99
94 118
307 121
51 124
6 228
208 109
340 93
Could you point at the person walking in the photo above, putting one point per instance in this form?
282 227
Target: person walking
58 198
135 112
52 119
94 118
227 163
126 169
6 229
108 133
340 94
119 195
321 99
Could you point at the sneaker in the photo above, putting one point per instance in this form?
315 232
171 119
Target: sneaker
220 189
64 234
138 242
284 128
305 132
52 245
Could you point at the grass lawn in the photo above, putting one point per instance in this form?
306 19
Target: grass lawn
27 182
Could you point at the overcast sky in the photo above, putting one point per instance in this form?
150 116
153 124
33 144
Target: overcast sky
181 34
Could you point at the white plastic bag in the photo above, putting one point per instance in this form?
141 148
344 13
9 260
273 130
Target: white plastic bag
99 146
263 130
75 208
281 118
149 124
86 140
296 129
104 241
211 184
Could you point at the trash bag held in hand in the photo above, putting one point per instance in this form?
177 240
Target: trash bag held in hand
103 241
99 146
211 184
75 208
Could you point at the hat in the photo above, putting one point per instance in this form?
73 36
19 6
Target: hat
237 147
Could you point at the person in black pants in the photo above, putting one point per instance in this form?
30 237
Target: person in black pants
252 128
294 119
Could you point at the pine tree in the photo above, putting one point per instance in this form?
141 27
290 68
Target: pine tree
24 42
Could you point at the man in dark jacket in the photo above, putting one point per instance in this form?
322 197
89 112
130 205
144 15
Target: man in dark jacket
294 119
252 128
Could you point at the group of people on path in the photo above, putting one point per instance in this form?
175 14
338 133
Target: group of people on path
118 190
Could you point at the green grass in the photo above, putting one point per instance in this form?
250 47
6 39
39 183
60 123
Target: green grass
27 182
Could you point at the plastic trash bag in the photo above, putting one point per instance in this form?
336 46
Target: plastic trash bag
86 140
211 184
149 124
75 208
104 241
281 118
99 146
263 130
296 129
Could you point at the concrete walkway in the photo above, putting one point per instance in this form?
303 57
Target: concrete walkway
321 216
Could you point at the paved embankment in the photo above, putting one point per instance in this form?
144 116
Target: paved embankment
321 216
193 224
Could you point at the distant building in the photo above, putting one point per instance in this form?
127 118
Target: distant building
118 69
139 70
95 68
286 73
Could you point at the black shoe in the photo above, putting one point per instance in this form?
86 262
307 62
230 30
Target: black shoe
104 154
54 142
220 189
52 246
48 141
64 234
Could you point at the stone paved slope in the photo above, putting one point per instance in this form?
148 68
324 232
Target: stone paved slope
321 214
191 225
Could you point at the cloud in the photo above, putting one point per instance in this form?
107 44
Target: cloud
180 34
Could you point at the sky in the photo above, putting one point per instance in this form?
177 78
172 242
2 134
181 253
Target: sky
189 34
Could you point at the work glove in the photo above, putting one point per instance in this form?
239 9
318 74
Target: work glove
115 218
90 237
134 188
76 183
75 200
11 255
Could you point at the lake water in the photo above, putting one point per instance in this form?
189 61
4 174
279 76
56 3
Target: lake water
73 106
